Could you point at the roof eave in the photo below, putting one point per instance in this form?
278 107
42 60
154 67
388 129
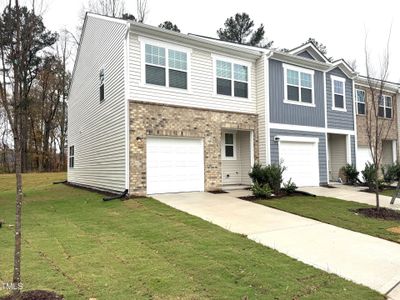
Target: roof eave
281 56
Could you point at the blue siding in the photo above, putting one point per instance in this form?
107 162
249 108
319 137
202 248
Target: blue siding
306 54
321 148
340 119
290 113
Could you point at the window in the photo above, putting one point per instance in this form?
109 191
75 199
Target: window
71 156
229 151
338 92
385 107
168 71
232 79
360 101
101 75
299 85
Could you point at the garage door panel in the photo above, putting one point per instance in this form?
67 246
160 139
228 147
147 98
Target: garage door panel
301 162
174 165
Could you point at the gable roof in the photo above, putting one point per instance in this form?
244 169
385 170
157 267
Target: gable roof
312 50
344 67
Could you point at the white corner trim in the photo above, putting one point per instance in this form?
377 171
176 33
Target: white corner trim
126 83
394 150
348 149
326 127
284 138
252 148
267 110
355 121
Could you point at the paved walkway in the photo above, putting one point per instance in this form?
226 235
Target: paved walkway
351 193
358 257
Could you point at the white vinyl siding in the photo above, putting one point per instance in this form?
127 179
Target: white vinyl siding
97 129
200 93
262 108
337 155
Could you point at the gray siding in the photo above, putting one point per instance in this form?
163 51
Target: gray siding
353 149
340 119
321 149
306 54
285 113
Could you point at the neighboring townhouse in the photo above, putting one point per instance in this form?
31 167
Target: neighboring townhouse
155 111
387 111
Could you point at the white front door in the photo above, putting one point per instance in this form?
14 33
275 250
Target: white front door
174 165
301 162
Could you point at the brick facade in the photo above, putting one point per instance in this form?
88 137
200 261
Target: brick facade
160 120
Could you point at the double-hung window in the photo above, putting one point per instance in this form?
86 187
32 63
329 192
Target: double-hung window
232 79
298 85
360 101
71 156
166 67
385 107
338 93
229 150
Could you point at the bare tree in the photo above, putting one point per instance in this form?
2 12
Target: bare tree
22 39
111 8
377 127
141 10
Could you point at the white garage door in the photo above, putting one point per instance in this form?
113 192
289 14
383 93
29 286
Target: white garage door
363 156
301 162
174 165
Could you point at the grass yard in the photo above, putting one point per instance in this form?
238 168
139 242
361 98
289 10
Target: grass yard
82 247
336 212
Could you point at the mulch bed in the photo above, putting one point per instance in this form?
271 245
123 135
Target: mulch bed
382 213
36 295
218 192
283 194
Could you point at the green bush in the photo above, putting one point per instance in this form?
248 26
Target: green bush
370 177
270 174
391 173
351 174
289 187
261 191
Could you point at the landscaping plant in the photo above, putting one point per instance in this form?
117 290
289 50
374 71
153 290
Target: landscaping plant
270 174
351 174
370 177
391 173
261 191
290 187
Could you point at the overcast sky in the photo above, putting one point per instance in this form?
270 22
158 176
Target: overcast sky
340 24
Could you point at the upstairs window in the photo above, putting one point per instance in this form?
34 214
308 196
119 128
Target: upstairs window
101 75
385 107
338 93
166 71
360 101
71 156
232 79
229 151
299 86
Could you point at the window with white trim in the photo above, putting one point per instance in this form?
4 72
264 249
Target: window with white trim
166 67
360 102
338 93
232 79
385 107
229 151
71 156
101 77
299 86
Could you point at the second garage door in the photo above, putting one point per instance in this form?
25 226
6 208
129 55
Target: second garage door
301 162
174 165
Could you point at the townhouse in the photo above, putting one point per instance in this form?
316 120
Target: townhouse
155 111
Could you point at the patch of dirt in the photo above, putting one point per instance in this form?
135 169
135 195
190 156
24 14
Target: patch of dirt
133 204
36 295
218 192
382 213
283 194
394 229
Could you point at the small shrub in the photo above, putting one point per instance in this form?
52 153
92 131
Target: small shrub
370 177
270 174
391 173
290 187
261 191
351 174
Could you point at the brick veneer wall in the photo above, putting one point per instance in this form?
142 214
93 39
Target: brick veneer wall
161 120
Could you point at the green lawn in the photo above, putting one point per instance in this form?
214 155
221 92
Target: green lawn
336 212
82 247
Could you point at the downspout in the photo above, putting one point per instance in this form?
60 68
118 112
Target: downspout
266 109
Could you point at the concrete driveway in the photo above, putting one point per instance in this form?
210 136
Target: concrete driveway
358 257
352 193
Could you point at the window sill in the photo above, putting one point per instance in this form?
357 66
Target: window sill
339 109
299 103
230 97
165 88
228 158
